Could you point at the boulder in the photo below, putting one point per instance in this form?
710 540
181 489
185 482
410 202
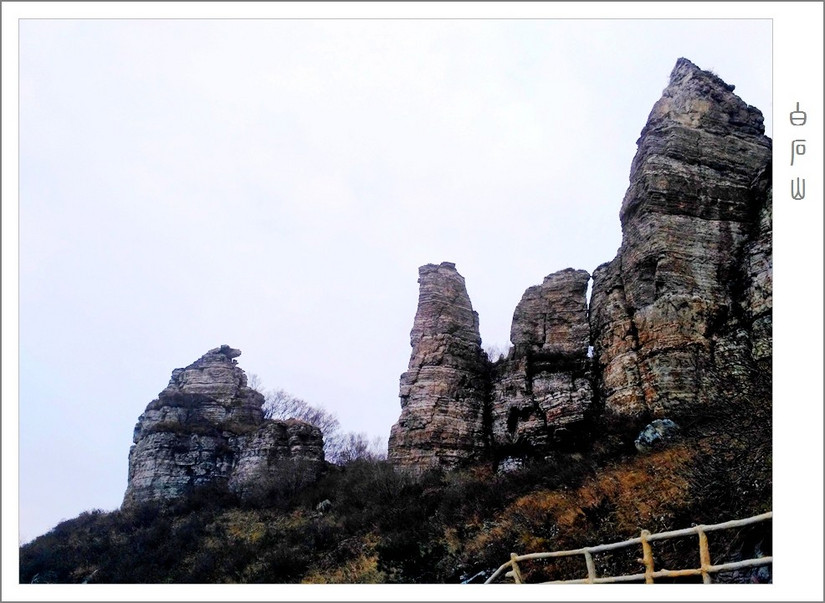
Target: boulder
656 435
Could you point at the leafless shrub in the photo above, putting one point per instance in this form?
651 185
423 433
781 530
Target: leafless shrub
339 448
497 352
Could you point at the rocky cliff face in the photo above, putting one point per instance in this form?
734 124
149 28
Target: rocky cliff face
458 407
543 386
444 391
675 313
679 322
208 426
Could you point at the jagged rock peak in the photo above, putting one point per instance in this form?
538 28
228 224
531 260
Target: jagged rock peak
685 68
701 99
679 320
458 408
208 426
216 374
224 350
223 354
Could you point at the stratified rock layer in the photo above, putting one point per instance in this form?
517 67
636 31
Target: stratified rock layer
208 426
679 322
458 407
679 315
544 385
757 303
444 391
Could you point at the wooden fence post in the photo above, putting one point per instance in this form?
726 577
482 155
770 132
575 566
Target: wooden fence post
647 554
516 571
704 554
591 567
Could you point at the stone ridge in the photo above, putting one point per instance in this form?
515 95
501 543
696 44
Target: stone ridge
679 324
444 389
208 426
678 321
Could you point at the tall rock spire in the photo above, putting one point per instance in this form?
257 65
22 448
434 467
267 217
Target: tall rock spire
669 315
444 390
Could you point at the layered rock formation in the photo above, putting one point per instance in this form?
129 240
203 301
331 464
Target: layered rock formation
208 426
458 407
544 384
445 388
673 314
680 321
757 302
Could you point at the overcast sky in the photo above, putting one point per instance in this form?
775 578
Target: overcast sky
274 186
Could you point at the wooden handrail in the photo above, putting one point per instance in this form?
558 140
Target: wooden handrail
650 573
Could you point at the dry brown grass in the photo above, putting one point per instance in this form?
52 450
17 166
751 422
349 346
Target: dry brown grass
644 492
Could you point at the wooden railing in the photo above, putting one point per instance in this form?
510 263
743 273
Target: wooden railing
705 568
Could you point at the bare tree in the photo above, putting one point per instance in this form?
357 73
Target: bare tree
254 382
339 448
282 405
496 352
357 446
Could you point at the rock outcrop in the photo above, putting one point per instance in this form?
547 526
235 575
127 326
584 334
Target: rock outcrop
673 316
445 388
208 426
679 321
679 324
458 407
544 385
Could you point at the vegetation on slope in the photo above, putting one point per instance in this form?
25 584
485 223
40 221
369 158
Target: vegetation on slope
384 526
